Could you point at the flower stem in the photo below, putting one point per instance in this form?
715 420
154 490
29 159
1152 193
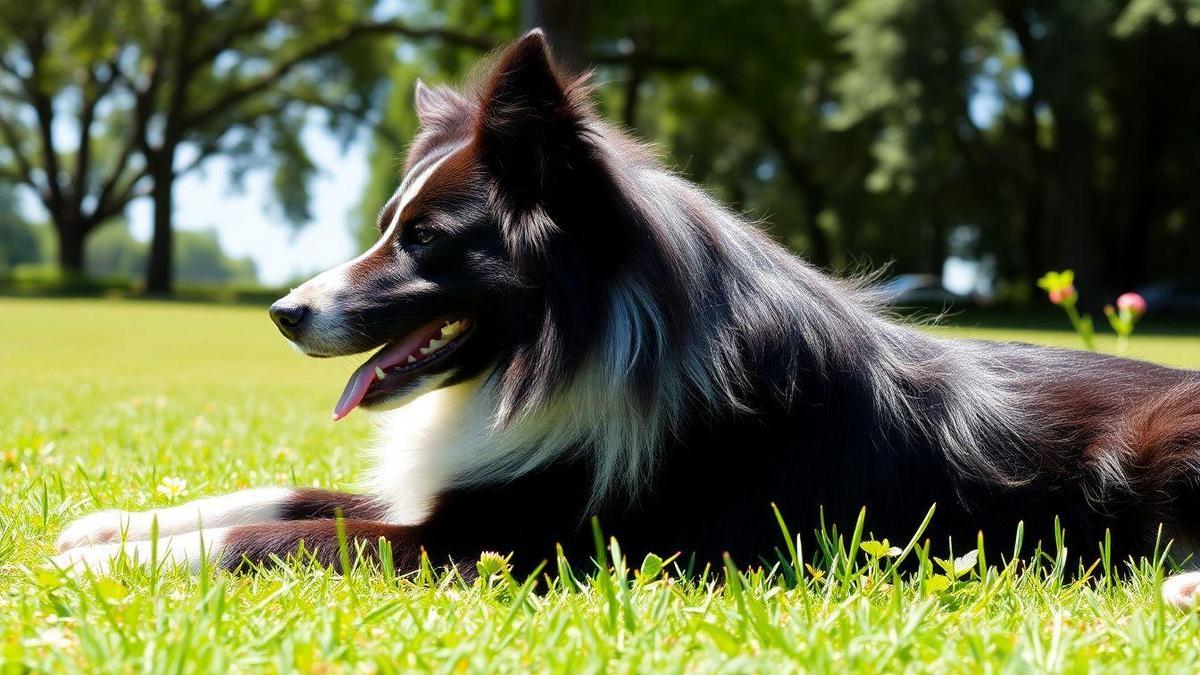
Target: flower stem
1122 343
1081 327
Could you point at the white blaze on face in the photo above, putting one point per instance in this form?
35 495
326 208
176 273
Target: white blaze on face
320 294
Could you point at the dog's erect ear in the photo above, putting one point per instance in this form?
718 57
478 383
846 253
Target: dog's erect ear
531 118
438 104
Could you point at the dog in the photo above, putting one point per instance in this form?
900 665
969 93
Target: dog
565 328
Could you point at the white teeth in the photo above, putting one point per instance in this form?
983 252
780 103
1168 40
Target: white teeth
434 345
449 332
451 329
379 373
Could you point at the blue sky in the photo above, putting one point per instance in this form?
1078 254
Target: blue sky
247 226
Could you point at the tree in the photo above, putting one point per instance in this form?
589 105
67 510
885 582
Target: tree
202 261
179 81
55 57
115 255
663 48
1109 127
19 240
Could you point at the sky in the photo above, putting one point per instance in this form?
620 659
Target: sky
247 226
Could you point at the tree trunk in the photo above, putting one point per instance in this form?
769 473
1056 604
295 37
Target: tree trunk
159 269
799 170
641 40
1143 101
938 244
630 105
819 251
70 250
565 23
1072 209
1033 239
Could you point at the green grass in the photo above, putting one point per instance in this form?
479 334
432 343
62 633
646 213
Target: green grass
101 401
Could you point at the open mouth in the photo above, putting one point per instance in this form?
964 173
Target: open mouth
398 364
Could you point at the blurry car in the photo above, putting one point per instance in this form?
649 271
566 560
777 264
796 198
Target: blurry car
1172 297
917 290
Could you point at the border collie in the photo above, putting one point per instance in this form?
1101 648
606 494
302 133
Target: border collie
566 328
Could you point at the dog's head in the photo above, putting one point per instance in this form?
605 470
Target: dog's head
497 184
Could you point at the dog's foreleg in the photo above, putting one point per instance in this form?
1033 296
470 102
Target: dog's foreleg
259 505
264 543
232 548
185 548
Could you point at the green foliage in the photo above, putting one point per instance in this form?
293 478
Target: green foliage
199 259
89 420
436 62
21 242
102 101
1057 134
113 254
385 158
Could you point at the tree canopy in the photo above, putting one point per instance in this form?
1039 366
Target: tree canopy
1030 134
1033 134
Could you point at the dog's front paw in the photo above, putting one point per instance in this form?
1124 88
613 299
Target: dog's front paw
98 560
1182 590
102 527
189 550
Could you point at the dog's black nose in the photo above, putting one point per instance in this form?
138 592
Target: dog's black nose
289 317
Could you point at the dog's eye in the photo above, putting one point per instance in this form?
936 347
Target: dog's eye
422 235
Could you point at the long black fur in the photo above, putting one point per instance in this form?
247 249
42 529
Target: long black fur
646 355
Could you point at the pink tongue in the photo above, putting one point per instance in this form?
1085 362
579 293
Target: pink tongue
355 390
360 382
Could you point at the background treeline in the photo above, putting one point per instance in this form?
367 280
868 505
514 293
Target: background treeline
1024 134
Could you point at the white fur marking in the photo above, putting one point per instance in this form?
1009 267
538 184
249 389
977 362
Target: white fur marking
320 294
247 507
408 467
181 549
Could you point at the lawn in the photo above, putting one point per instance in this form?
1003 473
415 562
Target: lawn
132 404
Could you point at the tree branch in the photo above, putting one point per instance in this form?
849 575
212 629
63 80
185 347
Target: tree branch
360 114
283 68
144 98
8 68
24 166
212 145
104 211
106 204
43 106
225 40
87 116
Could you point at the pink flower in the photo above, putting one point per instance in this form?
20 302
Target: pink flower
1060 295
1132 303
